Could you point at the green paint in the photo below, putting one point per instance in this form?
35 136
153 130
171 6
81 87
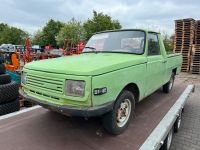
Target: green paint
46 78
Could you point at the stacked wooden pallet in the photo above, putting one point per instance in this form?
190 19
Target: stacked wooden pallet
178 36
195 64
184 37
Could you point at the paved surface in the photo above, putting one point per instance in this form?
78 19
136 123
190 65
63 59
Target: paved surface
188 137
42 129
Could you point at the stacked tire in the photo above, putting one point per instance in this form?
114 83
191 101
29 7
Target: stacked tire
9 94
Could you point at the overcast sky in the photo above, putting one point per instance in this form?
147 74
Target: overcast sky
31 15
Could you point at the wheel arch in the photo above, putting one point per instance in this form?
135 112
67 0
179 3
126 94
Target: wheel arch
133 88
174 71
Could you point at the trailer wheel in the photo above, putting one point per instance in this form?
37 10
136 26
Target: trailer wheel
4 79
8 92
9 107
168 141
177 124
169 85
2 69
116 121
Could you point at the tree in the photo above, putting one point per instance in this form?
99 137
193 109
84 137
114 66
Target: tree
47 36
11 35
71 30
38 38
3 26
100 22
168 42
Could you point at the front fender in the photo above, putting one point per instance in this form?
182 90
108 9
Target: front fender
116 81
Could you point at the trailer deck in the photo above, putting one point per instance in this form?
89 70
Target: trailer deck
42 129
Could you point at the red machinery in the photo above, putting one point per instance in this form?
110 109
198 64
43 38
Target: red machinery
16 56
25 54
69 48
29 55
80 47
28 49
20 58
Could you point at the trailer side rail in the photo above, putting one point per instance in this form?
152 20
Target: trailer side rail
158 135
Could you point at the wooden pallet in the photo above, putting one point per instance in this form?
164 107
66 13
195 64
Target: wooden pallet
195 59
197 32
185 69
184 37
195 69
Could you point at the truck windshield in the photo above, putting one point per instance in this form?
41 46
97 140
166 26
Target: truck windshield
117 42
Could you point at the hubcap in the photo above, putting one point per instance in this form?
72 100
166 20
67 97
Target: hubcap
169 139
123 112
179 120
171 83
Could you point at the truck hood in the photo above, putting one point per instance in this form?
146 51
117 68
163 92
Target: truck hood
87 63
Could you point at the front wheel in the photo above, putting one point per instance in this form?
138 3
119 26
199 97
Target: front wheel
116 121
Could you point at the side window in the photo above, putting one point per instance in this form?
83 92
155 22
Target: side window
153 44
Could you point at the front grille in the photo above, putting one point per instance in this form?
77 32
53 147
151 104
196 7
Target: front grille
45 83
44 95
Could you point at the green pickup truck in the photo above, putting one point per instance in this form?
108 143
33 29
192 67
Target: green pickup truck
116 70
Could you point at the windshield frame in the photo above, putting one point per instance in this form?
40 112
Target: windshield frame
120 30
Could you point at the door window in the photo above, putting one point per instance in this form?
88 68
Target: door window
153 44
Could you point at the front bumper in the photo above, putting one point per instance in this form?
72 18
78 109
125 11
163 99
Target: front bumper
72 111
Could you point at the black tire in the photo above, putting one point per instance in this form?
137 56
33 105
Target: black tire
177 124
9 107
168 141
2 69
169 85
1 60
8 92
111 120
5 79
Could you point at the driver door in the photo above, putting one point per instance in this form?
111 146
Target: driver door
156 65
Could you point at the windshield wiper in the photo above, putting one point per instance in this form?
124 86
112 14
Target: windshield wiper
92 48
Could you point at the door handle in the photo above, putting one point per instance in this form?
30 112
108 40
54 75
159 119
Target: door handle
164 61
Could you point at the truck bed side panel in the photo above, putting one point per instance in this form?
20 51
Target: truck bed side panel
174 61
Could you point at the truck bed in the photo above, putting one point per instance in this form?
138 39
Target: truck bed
42 129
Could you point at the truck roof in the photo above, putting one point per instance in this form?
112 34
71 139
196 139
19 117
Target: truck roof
145 30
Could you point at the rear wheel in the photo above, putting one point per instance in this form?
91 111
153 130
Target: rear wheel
116 121
169 85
